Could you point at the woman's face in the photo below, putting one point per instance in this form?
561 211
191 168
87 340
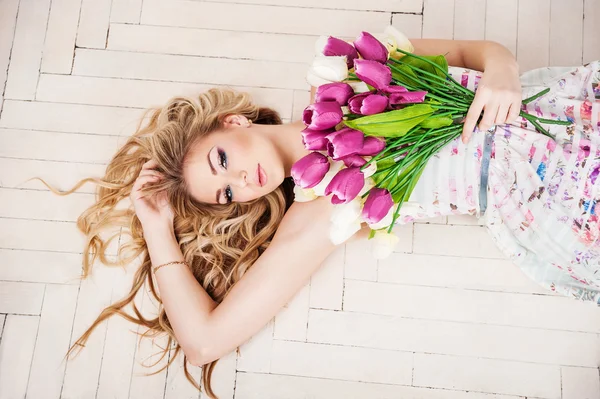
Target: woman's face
234 164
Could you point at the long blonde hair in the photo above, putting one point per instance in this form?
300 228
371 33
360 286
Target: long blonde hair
219 242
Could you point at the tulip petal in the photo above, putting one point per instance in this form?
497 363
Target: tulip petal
345 185
374 104
373 73
315 140
371 146
408 97
384 244
353 160
322 116
340 92
377 205
310 170
337 47
370 48
345 142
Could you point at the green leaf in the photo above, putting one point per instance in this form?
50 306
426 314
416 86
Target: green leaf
435 122
439 60
405 80
392 123
372 234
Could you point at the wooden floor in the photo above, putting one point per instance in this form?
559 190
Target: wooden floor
445 317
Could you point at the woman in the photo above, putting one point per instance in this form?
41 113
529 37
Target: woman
212 216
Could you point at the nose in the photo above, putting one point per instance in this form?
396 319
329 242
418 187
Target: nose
241 180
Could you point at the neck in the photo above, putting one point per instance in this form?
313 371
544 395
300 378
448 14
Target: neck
288 140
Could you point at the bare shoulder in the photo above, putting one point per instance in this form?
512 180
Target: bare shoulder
307 218
451 49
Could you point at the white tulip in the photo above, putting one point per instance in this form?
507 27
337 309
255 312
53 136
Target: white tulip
346 214
386 221
400 39
334 167
304 194
384 244
358 86
320 44
370 169
327 70
338 234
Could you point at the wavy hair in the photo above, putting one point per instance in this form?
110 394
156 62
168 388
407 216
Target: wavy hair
219 242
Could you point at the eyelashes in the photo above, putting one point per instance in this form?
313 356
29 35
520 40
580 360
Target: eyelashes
222 158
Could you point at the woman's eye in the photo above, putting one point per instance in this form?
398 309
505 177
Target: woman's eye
223 159
228 194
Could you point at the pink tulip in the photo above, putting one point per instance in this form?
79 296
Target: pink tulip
316 140
371 146
378 204
373 73
345 185
368 104
344 142
338 47
321 116
339 92
370 48
408 97
310 170
395 89
353 161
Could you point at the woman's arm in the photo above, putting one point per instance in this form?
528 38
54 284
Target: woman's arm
206 331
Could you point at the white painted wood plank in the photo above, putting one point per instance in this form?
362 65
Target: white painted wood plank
271 386
438 19
8 21
433 303
26 54
468 220
452 338
42 205
39 266
580 382
48 367
143 93
379 5
453 271
172 68
224 377
469 19
501 23
178 387
566 32
54 146
360 263
2 320
16 352
15 173
59 46
119 344
255 354
212 43
294 20
126 11
341 362
93 23
533 46
291 321
83 370
409 24
405 233
327 284
487 375
147 354
21 298
82 118
591 31
467 241
300 102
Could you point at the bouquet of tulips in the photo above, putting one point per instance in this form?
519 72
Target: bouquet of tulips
380 113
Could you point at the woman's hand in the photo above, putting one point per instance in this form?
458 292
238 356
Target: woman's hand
155 210
498 95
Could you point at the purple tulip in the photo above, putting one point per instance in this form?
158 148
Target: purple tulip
345 185
316 140
371 146
344 142
368 104
378 204
373 73
321 116
395 89
353 161
408 97
339 92
370 48
310 170
338 47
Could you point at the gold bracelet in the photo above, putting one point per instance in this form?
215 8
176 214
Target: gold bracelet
178 262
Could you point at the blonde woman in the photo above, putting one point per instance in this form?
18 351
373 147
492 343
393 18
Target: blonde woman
224 247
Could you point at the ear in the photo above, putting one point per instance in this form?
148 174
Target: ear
234 120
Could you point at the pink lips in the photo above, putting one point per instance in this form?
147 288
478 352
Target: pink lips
261 176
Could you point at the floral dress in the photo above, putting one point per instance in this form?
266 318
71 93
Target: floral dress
542 194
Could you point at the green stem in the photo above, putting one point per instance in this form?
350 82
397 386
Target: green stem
535 96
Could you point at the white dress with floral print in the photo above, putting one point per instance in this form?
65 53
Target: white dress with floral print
541 193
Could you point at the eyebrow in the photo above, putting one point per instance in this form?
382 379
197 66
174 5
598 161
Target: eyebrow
214 172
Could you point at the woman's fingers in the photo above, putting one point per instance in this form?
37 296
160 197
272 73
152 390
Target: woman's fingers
489 116
472 117
513 114
502 116
150 164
